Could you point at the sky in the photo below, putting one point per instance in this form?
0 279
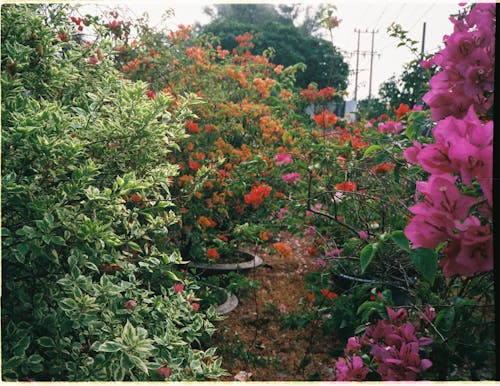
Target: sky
367 16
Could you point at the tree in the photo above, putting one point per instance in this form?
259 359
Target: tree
409 87
325 64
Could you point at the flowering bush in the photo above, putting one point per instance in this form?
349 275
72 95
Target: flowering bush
392 348
463 148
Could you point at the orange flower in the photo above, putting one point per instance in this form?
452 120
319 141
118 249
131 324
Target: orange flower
223 238
312 251
257 195
283 249
206 222
264 235
325 119
278 195
402 110
347 186
212 253
328 294
310 296
382 168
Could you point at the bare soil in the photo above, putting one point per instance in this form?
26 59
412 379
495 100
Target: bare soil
251 338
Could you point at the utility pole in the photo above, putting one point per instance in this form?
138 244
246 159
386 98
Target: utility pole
423 40
357 67
371 64
371 53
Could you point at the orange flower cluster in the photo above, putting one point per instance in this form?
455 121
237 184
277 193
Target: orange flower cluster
328 294
312 94
181 34
347 186
257 195
382 168
325 119
283 249
264 85
206 222
245 40
212 253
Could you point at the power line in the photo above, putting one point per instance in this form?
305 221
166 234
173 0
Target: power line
425 13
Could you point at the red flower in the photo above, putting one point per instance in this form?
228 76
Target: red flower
401 111
328 294
130 304
178 288
347 186
195 306
164 372
192 127
312 251
136 199
325 119
382 168
212 253
194 166
257 195
151 94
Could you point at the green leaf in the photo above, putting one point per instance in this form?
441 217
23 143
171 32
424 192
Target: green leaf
21 346
68 304
46 341
401 240
110 346
35 359
425 261
20 254
372 149
366 256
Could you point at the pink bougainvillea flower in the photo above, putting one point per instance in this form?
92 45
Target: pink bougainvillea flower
130 304
390 127
351 369
363 235
334 252
291 178
412 152
283 158
471 251
282 308
319 262
429 313
165 372
178 288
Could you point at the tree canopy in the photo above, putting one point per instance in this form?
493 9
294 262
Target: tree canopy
273 28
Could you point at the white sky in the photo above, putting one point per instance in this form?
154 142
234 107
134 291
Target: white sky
355 14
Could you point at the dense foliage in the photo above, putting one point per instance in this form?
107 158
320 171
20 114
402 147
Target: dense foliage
128 150
87 277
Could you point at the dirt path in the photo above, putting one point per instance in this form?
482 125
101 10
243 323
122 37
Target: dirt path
251 338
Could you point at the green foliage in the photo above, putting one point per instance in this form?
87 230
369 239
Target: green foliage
86 214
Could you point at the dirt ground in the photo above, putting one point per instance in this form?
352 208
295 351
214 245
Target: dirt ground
250 338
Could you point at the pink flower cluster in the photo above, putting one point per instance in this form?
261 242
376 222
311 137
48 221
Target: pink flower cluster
467 63
394 347
283 158
462 154
291 178
390 127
